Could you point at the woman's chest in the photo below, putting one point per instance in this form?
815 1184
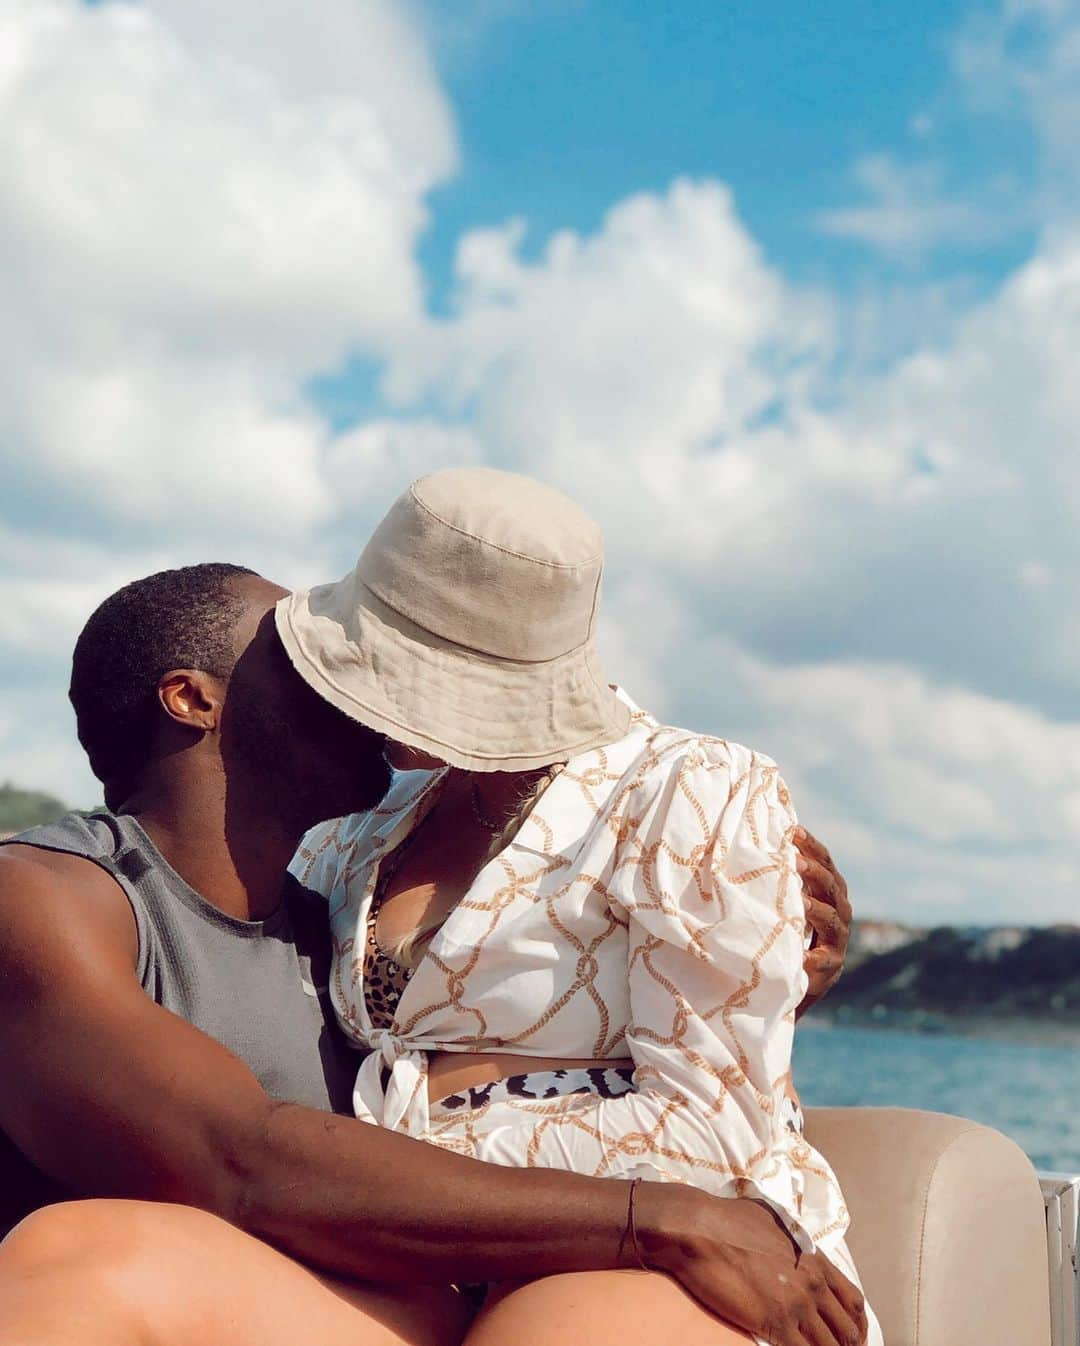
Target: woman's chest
532 957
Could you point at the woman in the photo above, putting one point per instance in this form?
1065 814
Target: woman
578 942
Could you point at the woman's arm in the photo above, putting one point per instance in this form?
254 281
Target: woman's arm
706 881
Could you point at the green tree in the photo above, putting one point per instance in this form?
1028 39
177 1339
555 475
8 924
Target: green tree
26 808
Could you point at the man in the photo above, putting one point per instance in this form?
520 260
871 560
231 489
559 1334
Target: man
160 1032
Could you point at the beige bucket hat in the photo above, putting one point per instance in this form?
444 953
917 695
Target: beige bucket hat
466 628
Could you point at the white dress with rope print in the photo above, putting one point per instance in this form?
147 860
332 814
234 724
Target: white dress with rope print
648 908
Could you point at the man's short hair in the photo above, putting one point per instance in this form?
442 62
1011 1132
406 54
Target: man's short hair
181 618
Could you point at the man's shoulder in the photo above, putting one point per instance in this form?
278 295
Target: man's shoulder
52 897
24 864
71 849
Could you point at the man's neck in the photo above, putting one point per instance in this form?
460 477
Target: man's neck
225 844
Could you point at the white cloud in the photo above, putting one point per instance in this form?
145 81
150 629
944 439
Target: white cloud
163 165
832 531
1012 104
368 466
867 575
202 206
625 365
662 372
909 213
946 763
50 584
926 794
367 64
1021 61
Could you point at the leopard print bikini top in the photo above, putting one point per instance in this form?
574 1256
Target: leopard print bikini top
385 979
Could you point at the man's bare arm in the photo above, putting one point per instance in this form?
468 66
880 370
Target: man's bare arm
112 1095
828 916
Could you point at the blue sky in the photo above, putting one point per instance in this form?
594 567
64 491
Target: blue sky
787 296
564 107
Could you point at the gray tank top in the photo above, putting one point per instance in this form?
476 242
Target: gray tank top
258 987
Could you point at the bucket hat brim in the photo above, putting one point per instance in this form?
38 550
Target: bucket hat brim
471 710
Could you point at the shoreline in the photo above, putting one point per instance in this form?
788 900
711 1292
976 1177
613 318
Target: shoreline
1023 1030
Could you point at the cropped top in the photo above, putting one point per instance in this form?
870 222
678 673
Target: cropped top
649 907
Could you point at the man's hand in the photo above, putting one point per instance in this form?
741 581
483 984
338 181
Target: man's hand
740 1262
828 914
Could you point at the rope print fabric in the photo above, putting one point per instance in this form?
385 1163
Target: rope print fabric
648 908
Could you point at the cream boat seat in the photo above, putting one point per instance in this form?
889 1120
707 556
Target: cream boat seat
947 1226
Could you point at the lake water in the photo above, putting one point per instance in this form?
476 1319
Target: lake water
1030 1092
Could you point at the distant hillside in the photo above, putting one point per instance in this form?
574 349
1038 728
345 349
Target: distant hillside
952 975
26 808
871 938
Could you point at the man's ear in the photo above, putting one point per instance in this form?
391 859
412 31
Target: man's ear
191 698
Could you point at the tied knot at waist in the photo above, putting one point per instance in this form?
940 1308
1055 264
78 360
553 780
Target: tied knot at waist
391 1085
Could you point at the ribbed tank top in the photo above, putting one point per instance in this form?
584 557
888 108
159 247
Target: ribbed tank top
258 987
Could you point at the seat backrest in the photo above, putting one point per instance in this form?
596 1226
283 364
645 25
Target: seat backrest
947 1226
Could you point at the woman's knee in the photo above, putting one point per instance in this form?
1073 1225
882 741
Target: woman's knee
70 1264
67 1231
117 1243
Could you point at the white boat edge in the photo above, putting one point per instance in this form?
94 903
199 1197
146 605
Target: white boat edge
1061 1194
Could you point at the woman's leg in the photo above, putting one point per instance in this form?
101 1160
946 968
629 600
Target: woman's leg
129 1273
604 1308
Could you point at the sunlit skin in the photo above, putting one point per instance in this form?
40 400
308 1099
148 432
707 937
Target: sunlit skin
217 1194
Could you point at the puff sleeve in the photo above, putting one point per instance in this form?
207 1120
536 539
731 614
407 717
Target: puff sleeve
324 854
704 878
